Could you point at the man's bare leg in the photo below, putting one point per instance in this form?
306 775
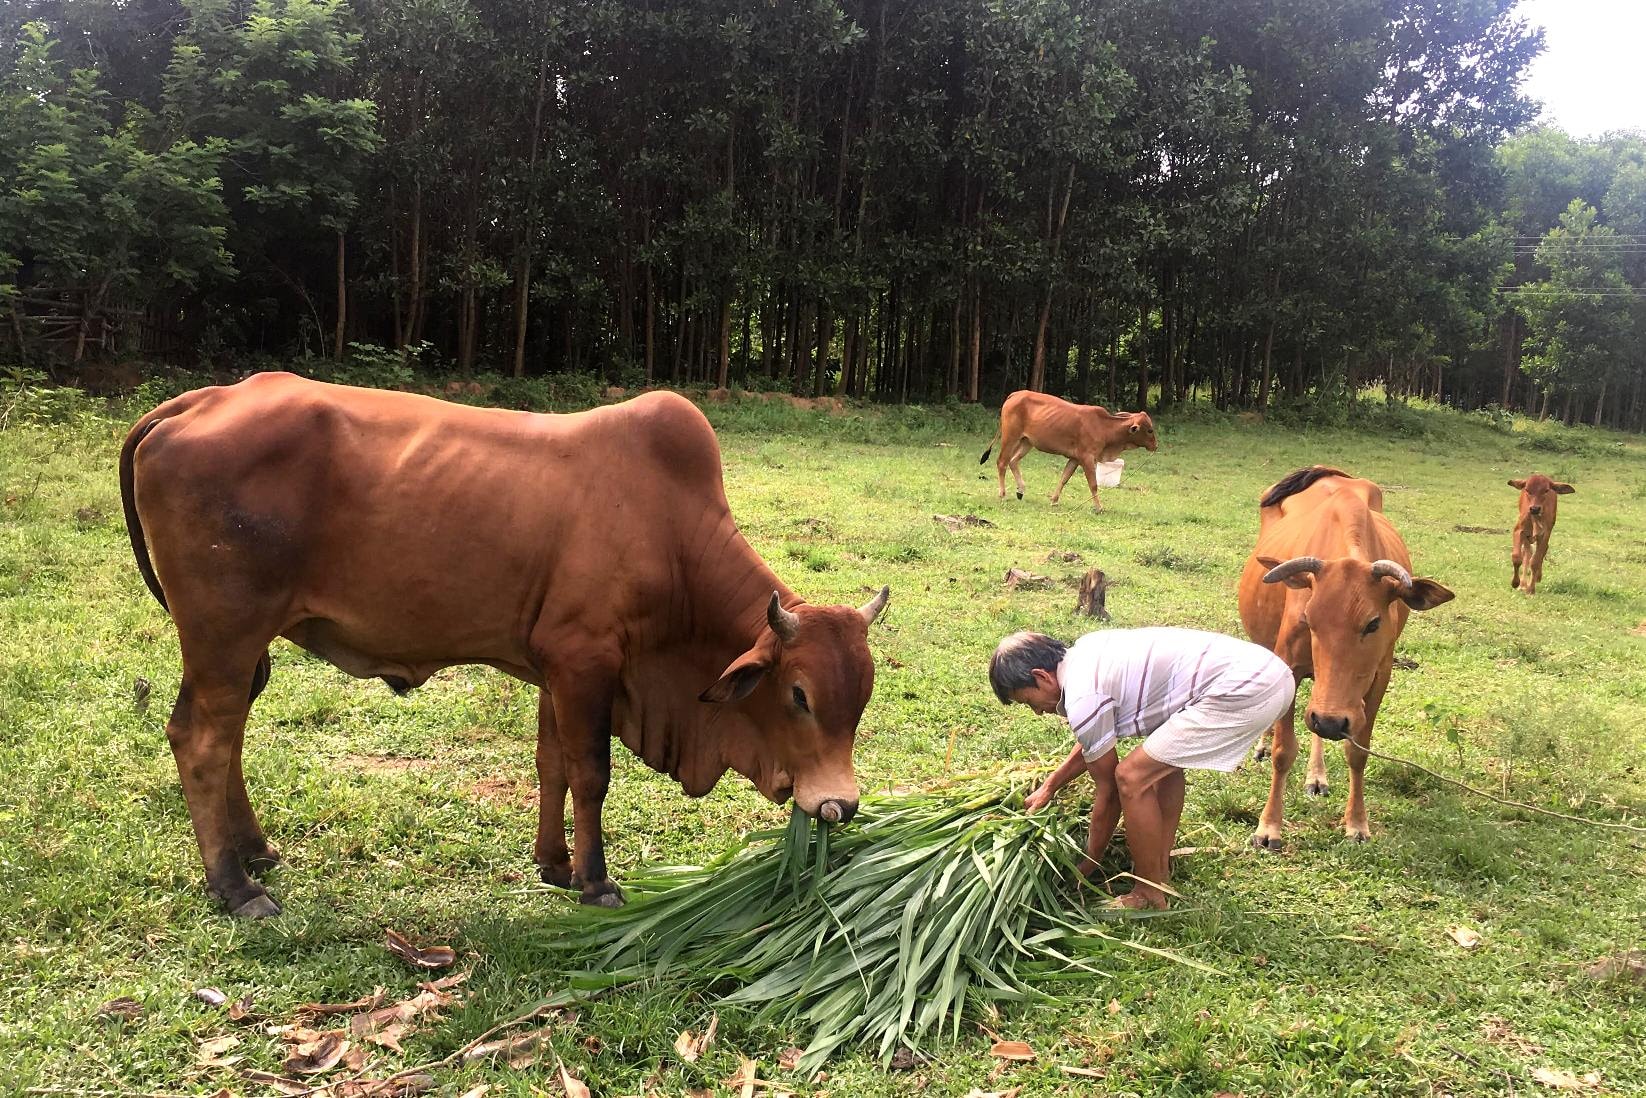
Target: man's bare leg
1152 814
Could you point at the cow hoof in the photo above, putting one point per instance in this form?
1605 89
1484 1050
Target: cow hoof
612 897
558 876
258 907
1356 836
1262 755
1315 789
1261 841
259 862
1020 495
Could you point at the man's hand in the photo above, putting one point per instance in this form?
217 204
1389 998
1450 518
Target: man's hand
1039 799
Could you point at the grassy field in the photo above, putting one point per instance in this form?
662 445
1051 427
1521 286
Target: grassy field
417 814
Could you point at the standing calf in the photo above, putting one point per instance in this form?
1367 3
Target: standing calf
1539 500
1085 434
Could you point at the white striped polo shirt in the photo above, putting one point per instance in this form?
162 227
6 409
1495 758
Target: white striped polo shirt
1127 682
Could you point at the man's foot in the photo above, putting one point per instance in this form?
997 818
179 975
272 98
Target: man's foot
1140 899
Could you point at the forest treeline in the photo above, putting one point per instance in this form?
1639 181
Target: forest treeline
1125 201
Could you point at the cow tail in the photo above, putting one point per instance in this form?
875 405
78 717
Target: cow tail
128 497
990 450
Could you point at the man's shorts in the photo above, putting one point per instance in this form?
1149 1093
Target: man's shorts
1216 732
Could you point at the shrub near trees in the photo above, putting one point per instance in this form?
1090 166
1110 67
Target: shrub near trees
1246 201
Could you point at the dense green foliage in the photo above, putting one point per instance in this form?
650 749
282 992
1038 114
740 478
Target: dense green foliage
1126 201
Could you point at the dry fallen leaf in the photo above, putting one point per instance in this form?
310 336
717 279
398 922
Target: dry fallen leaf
975 1093
1114 1006
1012 1050
1464 936
365 1002
210 996
430 957
445 983
902 1060
689 1046
1565 1080
211 1052
124 1008
277 1082
572 1085
789 1058
477 1092
510 1048
321 1054
240 1009
1084 1073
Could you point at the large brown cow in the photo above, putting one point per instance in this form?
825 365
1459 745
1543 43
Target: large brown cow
1085 434
593 555
1539 502
1328 590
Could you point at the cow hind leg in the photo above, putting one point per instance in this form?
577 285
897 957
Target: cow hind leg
553 856
253 846
1269 835
205 731
1018 452
1317 785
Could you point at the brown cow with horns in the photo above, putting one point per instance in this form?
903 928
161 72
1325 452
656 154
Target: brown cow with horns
593 555
1328 590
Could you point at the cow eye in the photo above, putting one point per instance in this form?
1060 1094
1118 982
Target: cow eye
800 699
1371 627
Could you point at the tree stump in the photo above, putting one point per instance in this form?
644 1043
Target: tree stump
1094 586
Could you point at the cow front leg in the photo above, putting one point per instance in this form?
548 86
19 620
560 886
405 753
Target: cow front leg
1283 750
552 855
205 730
1316 785
582 699
1541 548
1355 825
1091 483
1068 471
1515 558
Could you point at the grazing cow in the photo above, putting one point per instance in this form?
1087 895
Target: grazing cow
592 555
1328 590
1085 434
1539 501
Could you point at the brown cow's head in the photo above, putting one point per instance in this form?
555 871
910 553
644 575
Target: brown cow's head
1354 611
804 685
1537 494
1140 432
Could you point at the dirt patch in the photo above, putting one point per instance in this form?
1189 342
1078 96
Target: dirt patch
506 791
385 764
1498 1031
1639 630
1480 530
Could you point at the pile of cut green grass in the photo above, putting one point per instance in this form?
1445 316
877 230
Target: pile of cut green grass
884 934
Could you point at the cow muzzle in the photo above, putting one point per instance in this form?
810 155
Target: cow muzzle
837 811
1327 728
1534 511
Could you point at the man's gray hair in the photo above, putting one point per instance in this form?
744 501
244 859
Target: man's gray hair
1014 661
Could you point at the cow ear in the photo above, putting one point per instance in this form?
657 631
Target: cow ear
1517 484
739 680
1562 489
1133 429
1426 594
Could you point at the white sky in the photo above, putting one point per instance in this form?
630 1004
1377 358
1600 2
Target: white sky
1590 76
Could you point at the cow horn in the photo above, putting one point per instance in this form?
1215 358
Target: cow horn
871 609
1281 572
785 623
1390 568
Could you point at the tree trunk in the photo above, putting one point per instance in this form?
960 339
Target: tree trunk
1268 371
342 300
651 323
1143 357
725 343
1114 368
1600 404
974 371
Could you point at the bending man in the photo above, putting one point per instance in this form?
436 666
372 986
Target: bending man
1200 700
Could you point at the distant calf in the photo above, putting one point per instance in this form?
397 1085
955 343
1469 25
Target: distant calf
1085 434
1539 500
